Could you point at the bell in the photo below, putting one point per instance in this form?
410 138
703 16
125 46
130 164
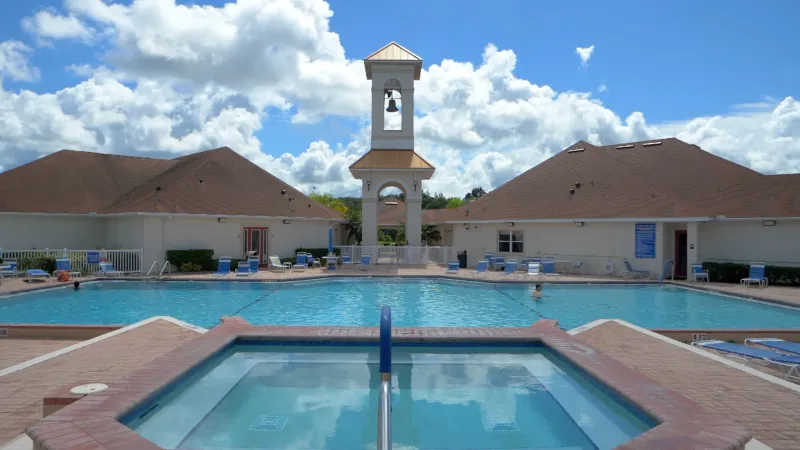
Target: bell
392 106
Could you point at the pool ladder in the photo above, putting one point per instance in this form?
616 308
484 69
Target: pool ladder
152 266
385 398
160 274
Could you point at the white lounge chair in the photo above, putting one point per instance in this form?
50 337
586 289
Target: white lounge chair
107 269
629 272
275 265
698 274
533 270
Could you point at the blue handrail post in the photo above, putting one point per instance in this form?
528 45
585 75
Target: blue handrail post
385 399
386 341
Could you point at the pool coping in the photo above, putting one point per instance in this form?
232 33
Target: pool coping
92 421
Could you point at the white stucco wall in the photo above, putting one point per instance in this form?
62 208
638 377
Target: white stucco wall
124 232
751 242
28 232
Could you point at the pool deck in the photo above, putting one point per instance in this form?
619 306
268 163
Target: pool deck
15 351
769 410
22 391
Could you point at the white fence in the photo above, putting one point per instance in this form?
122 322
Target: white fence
129 261
399 255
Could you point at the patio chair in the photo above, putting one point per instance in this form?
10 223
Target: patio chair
533 270
481 268
275 265
549 268
332 261
37 273
346 261
698 273
107 269
243 269
776 344
757 275
223 267
65 265
301 262
314 262
253 261
510 268
577 267
366 261
789 363
8 268
629 272
452 266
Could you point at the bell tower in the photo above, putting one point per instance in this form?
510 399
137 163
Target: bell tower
392 160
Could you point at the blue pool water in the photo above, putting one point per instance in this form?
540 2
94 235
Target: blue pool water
261 397
414 302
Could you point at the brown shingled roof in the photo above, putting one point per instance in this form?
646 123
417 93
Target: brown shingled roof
217 182
665 178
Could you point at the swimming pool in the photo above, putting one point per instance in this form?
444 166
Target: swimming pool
259 396
414 302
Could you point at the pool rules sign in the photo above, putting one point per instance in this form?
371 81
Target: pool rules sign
645 240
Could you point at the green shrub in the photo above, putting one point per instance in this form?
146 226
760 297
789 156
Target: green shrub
45 263
190 267
734 272
316 252
202 258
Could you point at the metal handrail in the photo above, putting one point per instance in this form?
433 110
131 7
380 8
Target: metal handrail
664 273
152 266
385 398
166 266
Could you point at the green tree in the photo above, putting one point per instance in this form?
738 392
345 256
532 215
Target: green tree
354 217
430 234
435 201
330 201
475 194
455 202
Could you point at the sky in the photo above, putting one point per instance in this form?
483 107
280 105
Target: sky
504 86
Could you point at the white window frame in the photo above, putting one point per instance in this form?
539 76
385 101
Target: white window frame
511 241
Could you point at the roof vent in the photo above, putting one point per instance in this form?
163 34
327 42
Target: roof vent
575 150
650 144
620 147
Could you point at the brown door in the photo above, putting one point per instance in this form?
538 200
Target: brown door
254 239
680 254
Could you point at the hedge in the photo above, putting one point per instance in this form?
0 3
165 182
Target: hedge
317 252
46 263
734 272
202 258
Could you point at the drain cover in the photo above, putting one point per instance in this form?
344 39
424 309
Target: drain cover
88 389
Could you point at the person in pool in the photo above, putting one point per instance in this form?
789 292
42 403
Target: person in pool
537 293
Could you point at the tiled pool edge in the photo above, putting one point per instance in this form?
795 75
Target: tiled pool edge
91 421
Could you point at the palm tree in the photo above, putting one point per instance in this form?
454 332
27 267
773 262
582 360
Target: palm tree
430 233
354 217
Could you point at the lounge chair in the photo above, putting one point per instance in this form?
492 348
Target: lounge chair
698 273
253 261
301 262
243 269
65 265
8 268
497 262
757 275
37 273
452 266
366 261
790 363
332 261
346 261
577 267
533 269
549 268
629 272
776 344
223 267
510 268
481 268
107 269
275 264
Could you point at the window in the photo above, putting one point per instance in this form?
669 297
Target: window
510 242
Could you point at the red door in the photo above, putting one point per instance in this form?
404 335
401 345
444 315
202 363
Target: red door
680 253
254 240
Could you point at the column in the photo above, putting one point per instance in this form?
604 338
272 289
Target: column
369 221
692 245
414 221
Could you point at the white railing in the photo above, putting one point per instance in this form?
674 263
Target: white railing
128 261
399 255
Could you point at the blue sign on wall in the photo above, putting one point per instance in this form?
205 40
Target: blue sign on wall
645 240
93 258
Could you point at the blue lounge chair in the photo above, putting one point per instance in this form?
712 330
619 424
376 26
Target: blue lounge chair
223 267
452 266
332 261
314 262
243 269
37 273
65 265
790 363
253 261
346 261
481 268
757 275
510 268
366 261
698 273
497 262
549 268
107 269
629 272
301 262
776 344
8 268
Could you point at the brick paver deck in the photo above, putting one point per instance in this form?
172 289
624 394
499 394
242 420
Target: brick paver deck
769 411
15 351
21 392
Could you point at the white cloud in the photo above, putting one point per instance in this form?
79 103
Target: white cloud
602 88
167 88
14 62
47 24
585 53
